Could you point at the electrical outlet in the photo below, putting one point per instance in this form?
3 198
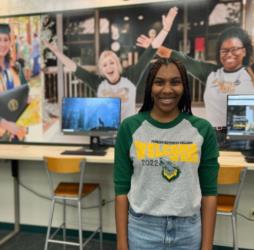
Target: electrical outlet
251 213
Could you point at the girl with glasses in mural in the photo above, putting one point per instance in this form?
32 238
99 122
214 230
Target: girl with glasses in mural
112 81
231 74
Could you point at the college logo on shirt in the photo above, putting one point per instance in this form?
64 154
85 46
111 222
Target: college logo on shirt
169 170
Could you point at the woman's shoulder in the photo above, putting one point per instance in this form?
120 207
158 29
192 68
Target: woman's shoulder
138 117
197 121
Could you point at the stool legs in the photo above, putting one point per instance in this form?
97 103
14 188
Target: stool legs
64 222
100 216
80 225
235 240
50 222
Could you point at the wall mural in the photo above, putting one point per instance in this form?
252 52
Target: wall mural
44 58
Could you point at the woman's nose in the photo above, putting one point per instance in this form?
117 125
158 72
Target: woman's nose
167 88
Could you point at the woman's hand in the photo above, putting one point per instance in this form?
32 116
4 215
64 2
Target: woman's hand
168 20
65 60
51 46
143 41
13 129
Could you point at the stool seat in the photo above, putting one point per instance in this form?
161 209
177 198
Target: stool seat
72 189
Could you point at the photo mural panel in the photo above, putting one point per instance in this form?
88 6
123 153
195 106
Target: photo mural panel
37 42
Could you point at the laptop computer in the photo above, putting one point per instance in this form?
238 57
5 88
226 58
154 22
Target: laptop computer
13 102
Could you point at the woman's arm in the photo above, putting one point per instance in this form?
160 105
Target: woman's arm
65 60
196 68
121 216
208 218
136 72
167 22
88 77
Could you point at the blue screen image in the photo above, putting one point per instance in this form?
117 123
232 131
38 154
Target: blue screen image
83 115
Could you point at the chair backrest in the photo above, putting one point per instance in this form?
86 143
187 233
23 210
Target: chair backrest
63 165
233 176
230 175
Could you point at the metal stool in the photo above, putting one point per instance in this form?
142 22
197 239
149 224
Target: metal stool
73 192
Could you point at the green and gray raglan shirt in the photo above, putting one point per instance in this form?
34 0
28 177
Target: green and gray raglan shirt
165 168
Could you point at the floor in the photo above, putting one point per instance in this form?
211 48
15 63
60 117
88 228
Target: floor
35 241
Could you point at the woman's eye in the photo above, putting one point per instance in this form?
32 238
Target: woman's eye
176 81
158 82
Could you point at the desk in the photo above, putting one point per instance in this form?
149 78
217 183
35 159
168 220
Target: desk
36 153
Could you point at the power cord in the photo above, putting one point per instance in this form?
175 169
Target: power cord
104 202
245 217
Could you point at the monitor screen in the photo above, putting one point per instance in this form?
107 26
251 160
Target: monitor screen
91 116
240 117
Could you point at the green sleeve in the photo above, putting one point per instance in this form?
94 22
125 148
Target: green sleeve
197 69
123 168
209 167
93 80
135 72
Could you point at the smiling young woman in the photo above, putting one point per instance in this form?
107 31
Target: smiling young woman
165 169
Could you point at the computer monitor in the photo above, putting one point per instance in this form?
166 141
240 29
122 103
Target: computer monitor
240 120
95 117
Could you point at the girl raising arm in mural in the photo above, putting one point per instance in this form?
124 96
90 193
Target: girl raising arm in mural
112 82
231 74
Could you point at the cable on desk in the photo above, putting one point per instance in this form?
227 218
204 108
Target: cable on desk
104 202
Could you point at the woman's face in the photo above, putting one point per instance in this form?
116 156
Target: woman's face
5 44
232 53
167 90
109 69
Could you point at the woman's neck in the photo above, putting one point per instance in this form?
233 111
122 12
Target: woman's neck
164 117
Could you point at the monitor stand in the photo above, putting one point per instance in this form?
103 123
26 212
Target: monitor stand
94 148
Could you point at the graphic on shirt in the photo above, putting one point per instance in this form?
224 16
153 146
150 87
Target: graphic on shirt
121 93
169 170
165 154
225 87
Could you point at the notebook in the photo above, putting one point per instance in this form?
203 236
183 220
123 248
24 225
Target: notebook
13 102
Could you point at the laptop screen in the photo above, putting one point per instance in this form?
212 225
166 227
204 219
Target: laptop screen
13 102
240 117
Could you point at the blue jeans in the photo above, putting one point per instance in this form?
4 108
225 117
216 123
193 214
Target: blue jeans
147 232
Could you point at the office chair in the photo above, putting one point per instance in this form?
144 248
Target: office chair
73 192
227 204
